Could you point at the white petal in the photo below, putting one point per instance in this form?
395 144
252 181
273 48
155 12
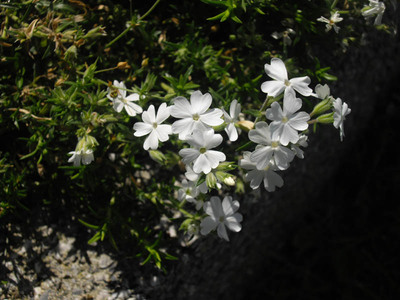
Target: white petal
291 104
300 84
234 109
202 164
142 129
255 177
214 158
132 109
233 222
189 155
184 127
133 97
232 132
163 113
273 88
151 141
207 225
288 135
199 102
299 121
212 117
221 230
163 131
181 108
262 157
229 207
149 116
276 70
260 135
118 105
272 180
275 112
212 140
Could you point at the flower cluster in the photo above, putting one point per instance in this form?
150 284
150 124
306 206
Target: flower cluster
277 140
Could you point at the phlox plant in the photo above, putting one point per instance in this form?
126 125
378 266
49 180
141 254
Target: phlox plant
142 119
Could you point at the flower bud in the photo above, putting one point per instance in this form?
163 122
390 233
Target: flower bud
211 180
123 65
245 125
322 107
229 181
157 156
325 119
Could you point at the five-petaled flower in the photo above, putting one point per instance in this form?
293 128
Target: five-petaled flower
153 127
121 101
268 149
202 157
287 122
81 156
331 22
277 71
220 216
194 114
267 175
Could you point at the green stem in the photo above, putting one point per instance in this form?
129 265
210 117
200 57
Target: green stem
261 109
334 4
132 25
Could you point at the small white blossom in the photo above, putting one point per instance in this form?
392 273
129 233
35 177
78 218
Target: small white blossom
194 114
231 119
322 91
296 147
202 157
220 216
285 35
121 101
153 127
189 192
81 156
268 175
287 122
277 71
331 22
268 149
375 8
341 110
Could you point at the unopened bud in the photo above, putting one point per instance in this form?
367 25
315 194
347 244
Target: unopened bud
322 107
157 156
229 181
123 65
245 125
211 180
325 119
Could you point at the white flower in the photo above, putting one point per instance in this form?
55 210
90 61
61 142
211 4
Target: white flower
267 175
277 71
296 147
202 157
341 110
285 35
268 149
322 91
81 156
231 119
194 115
153 127
375 8
286 123
335 18
221 216
120 100
193 176
189 192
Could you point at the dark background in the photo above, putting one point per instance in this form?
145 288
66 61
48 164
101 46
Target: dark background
333 230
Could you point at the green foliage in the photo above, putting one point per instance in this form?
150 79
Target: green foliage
58 61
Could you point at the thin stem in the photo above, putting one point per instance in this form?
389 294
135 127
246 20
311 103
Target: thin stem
132 25
334 4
